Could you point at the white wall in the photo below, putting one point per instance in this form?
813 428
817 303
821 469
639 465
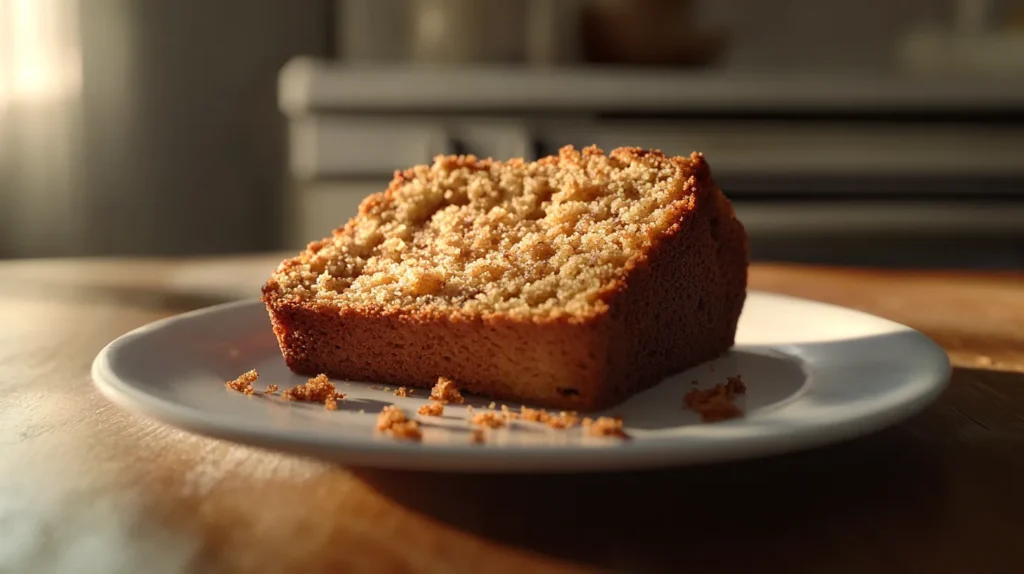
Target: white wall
819 35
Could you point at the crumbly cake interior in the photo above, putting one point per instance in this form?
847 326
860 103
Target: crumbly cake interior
540 238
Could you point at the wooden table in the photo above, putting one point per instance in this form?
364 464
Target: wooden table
87 487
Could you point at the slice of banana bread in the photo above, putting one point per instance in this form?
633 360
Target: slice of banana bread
571 282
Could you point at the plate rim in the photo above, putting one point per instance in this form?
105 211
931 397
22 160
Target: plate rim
650 453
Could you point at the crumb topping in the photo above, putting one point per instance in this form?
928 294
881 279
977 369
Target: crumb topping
446 392
431 409
476 236
392 420
243 384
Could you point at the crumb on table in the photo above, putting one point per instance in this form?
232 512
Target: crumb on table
446 392
392 420
604 426
432 409
243 384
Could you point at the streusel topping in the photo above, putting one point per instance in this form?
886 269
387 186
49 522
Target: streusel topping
530 239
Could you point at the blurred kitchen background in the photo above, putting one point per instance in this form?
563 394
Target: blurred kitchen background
871 133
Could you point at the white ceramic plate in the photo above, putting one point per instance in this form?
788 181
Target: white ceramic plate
815 374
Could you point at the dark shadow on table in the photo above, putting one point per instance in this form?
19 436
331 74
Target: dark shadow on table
728 516
925 495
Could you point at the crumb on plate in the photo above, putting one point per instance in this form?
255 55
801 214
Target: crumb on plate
717 403
446 392
271 389
316 390
243 384
432 409
508 413
604 426
563 420
533 415
402 392
735 385
392 420
488 419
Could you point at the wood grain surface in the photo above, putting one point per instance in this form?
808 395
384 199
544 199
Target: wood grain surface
87 487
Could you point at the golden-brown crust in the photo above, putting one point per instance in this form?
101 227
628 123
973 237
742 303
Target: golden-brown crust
674 306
